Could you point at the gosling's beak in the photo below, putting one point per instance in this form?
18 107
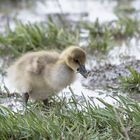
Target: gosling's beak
82 70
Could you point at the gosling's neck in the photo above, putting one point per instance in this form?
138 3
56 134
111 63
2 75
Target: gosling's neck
61 75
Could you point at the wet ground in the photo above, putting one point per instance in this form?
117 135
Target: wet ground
104 70
108 75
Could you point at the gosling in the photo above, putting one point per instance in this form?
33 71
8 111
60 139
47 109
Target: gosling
42 74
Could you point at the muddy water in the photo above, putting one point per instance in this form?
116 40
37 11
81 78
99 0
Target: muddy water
105 70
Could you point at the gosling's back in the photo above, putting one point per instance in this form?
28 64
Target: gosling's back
26 74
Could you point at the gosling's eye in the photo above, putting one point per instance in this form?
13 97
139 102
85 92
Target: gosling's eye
77 69
76 61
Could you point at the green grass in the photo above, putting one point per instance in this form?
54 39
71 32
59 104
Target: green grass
99 36
103 36
52 36
126 28
132 82
36 36
65 121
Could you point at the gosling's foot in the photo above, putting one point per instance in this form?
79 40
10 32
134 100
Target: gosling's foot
46 104
25 98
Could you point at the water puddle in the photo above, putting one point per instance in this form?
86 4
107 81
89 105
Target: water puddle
91 95
120 54
38 11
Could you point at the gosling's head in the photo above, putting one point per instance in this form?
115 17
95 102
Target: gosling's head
75 58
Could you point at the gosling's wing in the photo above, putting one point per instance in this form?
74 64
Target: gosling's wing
39 60
34 65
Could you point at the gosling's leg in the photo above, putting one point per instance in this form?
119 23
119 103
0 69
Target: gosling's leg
25 98
46 102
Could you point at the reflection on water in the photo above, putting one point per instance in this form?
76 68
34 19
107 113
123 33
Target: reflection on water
38 11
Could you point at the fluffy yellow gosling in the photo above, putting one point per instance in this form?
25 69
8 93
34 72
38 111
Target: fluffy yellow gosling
44 73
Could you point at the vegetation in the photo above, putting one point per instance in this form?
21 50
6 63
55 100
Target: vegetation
103 36
51 36
99 36
72 120
36 36
132 82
